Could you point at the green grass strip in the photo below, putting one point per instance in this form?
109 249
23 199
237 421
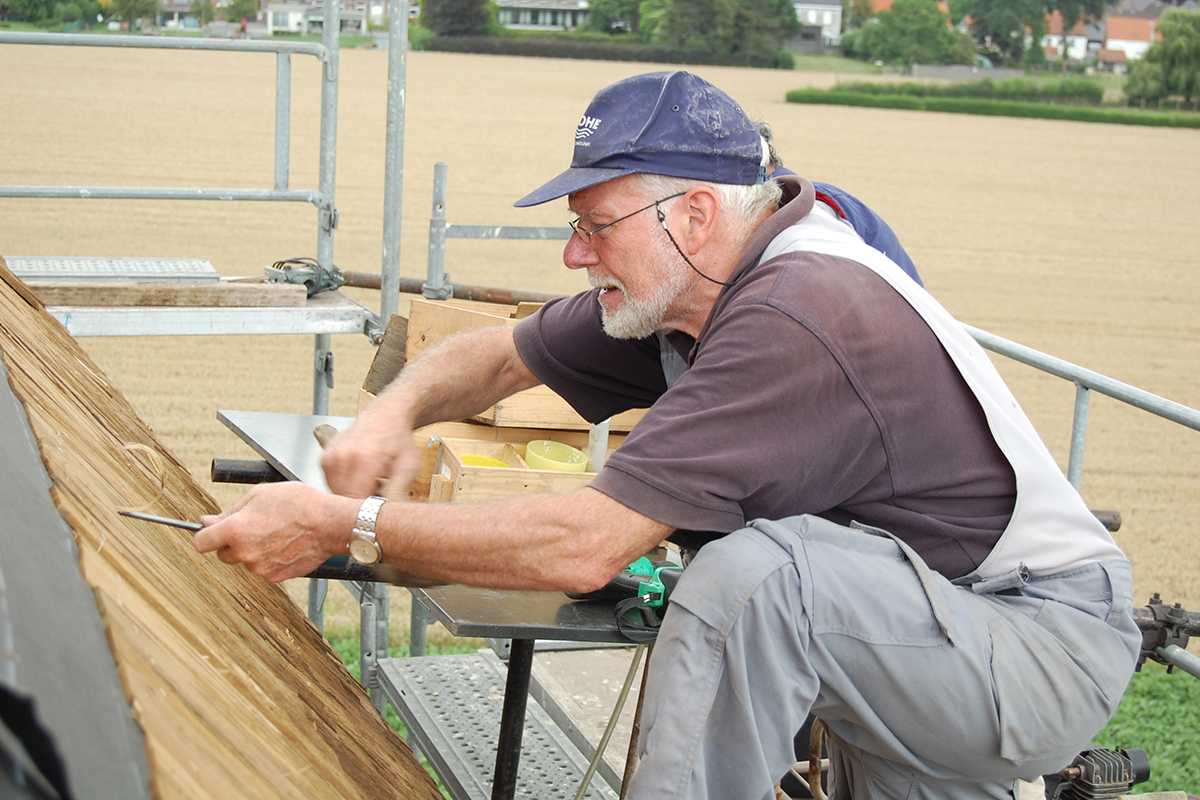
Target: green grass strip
1074 90
998 108
1158 714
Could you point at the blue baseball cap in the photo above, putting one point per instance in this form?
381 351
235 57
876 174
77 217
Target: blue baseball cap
664 123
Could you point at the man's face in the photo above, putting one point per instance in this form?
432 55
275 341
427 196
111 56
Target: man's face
639 274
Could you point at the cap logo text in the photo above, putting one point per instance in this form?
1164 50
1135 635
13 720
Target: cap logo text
587 126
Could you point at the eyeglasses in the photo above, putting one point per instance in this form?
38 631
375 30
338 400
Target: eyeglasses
587 233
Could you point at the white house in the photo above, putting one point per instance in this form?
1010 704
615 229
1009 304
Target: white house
351 20
286 17
1086 37
824 16
1130 35
1084 40
542 14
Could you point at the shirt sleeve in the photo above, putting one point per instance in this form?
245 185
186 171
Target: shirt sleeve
764 420
565 346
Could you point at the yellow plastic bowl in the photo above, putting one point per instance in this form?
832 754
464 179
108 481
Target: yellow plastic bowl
548 454
479 460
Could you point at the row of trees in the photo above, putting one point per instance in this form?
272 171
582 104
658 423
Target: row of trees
714 26
1171 67
917 31
742 31
910 32
87 11
1007 32
1010 31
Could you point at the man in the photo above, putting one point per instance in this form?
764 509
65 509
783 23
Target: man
889 544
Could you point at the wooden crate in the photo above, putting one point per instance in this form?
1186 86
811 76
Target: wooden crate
452 481
429 322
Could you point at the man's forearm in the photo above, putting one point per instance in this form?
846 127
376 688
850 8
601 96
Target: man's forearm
575 542
458 378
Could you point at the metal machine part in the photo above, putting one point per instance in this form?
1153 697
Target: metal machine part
308 271
1099 773
1165 634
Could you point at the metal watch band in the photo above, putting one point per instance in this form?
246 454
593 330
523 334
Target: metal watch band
364 524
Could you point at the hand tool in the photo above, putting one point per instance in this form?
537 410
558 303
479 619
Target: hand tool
338 568
174 523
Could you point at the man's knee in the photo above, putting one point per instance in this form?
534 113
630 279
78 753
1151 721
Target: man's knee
726 574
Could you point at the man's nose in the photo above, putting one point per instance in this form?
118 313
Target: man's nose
578 254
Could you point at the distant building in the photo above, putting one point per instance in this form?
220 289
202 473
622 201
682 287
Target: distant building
886 5
820 24
172 13
286 17
1112 61
1146 9
542 14
1084 40
351 20
1131 35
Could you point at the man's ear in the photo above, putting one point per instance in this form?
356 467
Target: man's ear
701 206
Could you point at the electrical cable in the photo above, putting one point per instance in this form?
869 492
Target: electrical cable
612 722
662 219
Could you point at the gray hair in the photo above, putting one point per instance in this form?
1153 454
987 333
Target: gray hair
746 202
773 160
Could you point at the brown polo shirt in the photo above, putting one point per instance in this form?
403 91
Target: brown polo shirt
813 388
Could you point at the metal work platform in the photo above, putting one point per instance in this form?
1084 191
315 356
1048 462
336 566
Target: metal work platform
83 269
326 313
451 705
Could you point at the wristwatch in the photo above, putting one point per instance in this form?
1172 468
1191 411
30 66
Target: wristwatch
364 547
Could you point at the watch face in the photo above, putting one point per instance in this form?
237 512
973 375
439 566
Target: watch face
363 551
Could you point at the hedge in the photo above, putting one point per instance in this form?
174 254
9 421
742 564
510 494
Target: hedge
999 108
1063 90
563 47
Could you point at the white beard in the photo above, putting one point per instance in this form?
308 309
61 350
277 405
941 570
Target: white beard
637 318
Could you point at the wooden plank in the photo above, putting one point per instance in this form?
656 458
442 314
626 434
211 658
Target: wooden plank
389 356
526 310
431 321
237 695
495 309
441 489
208 295
540 407
473 430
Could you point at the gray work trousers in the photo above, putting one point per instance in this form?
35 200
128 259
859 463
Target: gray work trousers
929 690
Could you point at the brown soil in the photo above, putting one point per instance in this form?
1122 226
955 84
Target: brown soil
1077 239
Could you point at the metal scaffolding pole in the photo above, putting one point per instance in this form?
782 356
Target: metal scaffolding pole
393 173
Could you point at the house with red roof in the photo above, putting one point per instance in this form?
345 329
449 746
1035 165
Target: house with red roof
1112 61
1085 39
1130 35
886 5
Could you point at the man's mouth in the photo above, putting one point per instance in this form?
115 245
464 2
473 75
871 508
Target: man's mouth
611 291
609 294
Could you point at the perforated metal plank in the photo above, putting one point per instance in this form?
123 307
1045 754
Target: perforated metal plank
328 312
452 707
74 269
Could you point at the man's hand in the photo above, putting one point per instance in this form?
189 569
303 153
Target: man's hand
279 530
376 455
456 379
